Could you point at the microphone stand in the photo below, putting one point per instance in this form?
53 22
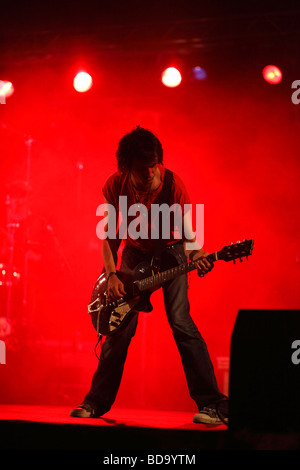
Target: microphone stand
12 226
28 142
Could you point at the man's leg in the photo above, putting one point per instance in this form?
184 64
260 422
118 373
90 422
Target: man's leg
195 358
107 378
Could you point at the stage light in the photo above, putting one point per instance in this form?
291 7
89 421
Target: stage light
6 89
82 82
272 74
171 77
199 73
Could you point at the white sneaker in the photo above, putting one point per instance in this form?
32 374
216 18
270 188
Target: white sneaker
209 415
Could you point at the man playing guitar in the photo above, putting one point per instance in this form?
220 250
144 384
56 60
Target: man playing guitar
140 177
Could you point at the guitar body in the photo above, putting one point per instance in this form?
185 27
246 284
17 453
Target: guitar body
109 318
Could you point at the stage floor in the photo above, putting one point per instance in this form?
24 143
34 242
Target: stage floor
35 428
133 432
116 417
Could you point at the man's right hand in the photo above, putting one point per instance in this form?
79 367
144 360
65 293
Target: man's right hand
115 288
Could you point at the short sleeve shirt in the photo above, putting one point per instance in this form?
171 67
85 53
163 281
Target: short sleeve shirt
141 218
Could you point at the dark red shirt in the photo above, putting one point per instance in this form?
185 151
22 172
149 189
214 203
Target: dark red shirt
119 184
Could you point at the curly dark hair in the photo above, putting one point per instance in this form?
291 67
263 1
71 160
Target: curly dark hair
138 144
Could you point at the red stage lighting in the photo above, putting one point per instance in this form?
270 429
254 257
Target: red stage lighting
82 82
6 89
171 77
272 74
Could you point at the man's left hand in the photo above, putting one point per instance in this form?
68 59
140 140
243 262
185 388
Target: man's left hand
203 265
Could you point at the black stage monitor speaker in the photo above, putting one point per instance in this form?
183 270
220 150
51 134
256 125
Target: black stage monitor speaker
264 387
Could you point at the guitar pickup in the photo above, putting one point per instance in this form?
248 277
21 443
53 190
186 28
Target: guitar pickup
116 314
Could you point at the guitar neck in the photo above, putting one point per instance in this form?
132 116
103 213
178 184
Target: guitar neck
164 276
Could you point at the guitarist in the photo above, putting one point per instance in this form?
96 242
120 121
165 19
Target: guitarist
141 176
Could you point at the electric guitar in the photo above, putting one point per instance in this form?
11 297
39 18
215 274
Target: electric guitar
109 318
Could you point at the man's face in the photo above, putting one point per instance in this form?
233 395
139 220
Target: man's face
144 172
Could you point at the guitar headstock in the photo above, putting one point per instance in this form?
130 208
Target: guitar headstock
235 251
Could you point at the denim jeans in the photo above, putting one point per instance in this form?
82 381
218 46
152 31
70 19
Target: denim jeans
194 355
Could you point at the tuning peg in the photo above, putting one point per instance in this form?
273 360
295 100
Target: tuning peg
234 261
241 260
247 258
238 241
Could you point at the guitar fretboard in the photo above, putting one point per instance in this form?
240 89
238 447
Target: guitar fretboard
164 276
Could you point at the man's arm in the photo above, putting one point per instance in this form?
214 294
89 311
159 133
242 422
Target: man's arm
115 288
108 257
197 252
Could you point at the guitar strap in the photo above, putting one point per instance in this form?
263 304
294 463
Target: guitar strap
163 197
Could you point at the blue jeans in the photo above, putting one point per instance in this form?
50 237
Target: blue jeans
194 355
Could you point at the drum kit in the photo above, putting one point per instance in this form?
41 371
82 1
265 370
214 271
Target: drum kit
11 279
15 253
24 238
